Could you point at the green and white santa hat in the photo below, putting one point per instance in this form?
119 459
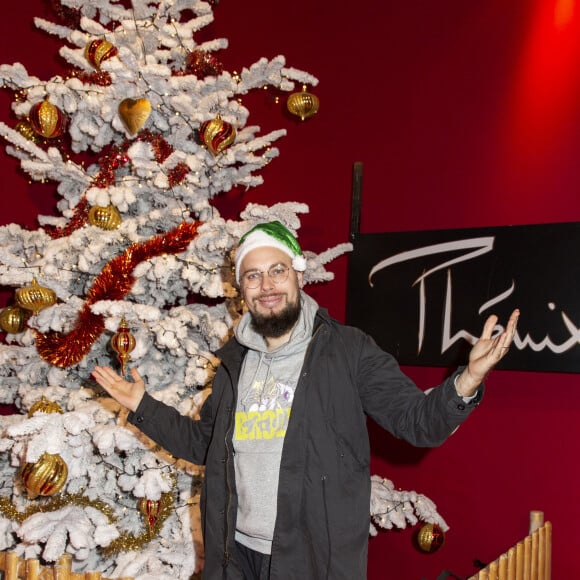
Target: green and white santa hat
272 235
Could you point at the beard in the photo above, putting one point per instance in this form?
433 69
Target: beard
276 324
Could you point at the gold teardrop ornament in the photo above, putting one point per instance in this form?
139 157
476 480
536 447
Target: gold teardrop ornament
134 114
303 104
13 319
123 342
45 477
106 218
35 297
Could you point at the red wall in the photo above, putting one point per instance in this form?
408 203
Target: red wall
465 114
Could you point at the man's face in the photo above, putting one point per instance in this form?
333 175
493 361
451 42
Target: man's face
274 307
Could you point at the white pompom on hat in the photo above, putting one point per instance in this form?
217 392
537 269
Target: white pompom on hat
273 235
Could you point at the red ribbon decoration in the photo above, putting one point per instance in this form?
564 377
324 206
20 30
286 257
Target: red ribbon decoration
113 283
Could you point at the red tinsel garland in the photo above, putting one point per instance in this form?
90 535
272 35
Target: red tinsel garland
113 283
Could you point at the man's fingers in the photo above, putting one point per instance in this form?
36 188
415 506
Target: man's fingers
488 327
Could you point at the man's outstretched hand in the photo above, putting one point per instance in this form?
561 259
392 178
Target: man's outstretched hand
129 394
486 353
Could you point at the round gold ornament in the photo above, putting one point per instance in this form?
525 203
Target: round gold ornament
303 104
27 131
99 50
45 477
217 134
106 218
47 119
35 297
430 538
44 405
13 319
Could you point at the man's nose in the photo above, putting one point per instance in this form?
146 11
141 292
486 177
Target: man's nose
266 282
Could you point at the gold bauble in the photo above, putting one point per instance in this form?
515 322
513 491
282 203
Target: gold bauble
430 538
13 319
99 50
44 405
47 119
217 135
35 297
45 477
27 131
106 218
303 104
134 113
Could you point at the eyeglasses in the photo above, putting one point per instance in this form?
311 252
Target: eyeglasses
278 274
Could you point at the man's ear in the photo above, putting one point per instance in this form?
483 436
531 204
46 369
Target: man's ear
300 277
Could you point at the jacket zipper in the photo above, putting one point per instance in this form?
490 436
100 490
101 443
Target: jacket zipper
327 521
228 479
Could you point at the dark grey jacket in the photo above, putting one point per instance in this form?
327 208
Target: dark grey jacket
323 513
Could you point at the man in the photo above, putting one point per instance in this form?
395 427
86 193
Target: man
283 435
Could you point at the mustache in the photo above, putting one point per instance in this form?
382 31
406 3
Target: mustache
268 295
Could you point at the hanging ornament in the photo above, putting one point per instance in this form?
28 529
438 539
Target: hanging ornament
27 131
44 405
47 119
106 218
430 538
217 135
35 297
45 477
155 512
123 342
150 509
303 104
134 113
13 319
99 50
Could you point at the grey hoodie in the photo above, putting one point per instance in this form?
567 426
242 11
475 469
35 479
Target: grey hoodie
266 388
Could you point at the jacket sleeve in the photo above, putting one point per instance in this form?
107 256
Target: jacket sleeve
394 401
182 436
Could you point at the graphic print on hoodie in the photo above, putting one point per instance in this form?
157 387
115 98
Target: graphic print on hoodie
265 393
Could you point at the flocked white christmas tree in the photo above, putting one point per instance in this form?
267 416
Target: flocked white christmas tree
133 269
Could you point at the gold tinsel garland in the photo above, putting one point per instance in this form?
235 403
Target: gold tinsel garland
113 283
124 543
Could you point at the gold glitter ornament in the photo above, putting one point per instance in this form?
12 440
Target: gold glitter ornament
430 538
303 104
44 405
27 131
35 297
106 218
134 114
13 319
45 477
47 119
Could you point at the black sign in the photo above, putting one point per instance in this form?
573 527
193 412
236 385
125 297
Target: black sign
424 296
